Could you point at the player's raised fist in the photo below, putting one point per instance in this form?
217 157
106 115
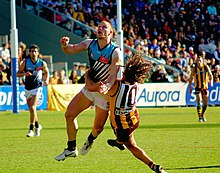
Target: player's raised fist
64 41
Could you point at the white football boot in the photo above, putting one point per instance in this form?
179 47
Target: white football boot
66 153
86 147
37 131
30 133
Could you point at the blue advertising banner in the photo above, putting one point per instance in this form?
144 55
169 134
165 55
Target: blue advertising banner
213 95
6 99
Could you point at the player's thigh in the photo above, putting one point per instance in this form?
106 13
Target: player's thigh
34 100
78 104
101 116
131 142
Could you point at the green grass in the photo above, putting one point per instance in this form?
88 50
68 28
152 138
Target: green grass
170 136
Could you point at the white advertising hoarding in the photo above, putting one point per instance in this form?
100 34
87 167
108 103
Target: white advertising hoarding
163 94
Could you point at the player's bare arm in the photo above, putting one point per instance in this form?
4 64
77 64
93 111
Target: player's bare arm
191 79
69 48
21 71
46 74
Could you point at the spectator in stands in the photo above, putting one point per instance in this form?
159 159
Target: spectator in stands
183 49
157 56
66 19
159 75
93 33
23 49
167 29
170 45
6 70
63 79
49 3
58 17
184 60
211 39
54 78
3 76
154 45
78 13
186 74
5 54
20 55
82 70
73 77
212 64
217 54
216 74
177 78
113 21
58 3
190 52
212 9
180 34
99 16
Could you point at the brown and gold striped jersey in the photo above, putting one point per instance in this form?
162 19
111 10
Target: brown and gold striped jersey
201 77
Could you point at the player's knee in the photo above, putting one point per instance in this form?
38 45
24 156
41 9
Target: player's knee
69 115
205 104
32 108
131 146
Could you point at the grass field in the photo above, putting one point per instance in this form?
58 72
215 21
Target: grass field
170 136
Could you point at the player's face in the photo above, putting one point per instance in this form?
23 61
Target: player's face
199 61
34 53
104 30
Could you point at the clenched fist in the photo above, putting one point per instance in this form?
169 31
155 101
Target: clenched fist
64 41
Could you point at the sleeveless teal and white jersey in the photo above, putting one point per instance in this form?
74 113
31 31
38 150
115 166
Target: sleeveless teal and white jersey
100 60
36 69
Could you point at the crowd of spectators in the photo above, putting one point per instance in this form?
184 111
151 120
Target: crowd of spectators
171 32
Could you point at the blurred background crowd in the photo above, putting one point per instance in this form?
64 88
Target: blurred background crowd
172 32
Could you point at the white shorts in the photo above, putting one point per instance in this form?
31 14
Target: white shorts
33 92
97 98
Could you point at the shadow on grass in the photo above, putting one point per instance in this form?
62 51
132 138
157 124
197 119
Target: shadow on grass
195 167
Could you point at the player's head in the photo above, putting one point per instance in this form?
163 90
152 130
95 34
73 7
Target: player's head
136 69
104 30
199 61
34 50
34 46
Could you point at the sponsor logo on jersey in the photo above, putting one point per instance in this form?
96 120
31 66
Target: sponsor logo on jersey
38 68
103 59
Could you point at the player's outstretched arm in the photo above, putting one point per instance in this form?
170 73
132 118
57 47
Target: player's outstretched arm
69 48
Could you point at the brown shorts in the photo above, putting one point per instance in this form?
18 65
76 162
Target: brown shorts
126 124
201 90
